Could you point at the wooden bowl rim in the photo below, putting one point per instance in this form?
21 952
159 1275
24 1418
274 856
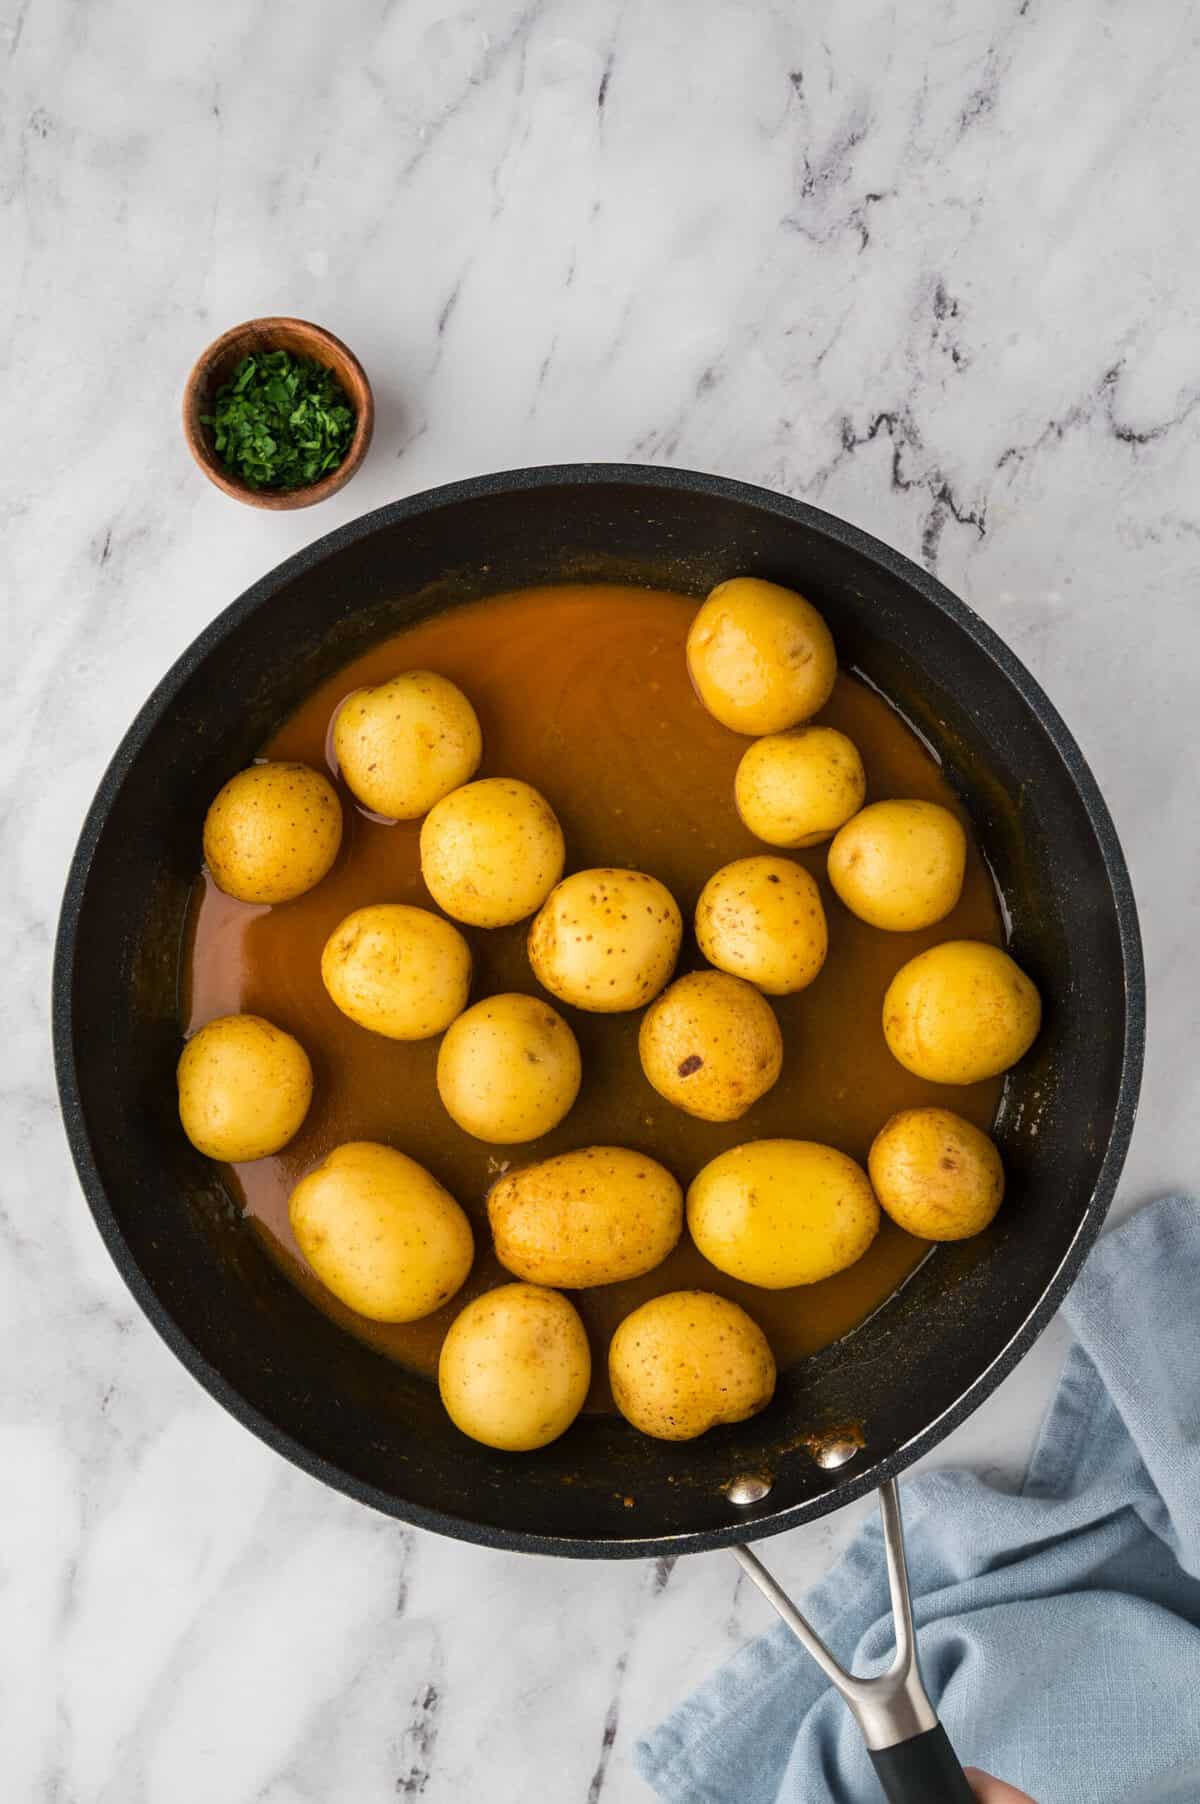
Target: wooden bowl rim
326 348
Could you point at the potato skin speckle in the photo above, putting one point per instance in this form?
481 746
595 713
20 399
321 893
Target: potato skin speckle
938 1177
899 865
397 971
405 744
606 940
762 919
515 1368
508 1069
797 788
711 1045
491 852
244 1088
272 832
760 656
595 1216
381 1233
687 1361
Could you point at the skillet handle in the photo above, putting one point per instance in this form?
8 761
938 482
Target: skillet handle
923 1770
909 1748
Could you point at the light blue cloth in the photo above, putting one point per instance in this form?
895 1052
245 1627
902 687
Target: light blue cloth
1059 1627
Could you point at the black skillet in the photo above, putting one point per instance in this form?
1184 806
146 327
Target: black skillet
878 1398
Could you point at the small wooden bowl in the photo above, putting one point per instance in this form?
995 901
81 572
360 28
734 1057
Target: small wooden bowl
303 339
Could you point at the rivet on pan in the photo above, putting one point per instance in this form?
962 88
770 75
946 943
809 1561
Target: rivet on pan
832 1454
747 1488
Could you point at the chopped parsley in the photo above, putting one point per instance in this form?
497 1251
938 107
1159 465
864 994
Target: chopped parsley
281 422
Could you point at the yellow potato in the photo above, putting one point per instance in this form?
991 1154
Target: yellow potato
589 1217
401 972
508 1069
491 852
687 1361
937 1175
244 1088
381 1233
899 865
782 1212
515 1368
762 919
796 789
272 832
761 657
711 1045
405 745
606 940
960 1012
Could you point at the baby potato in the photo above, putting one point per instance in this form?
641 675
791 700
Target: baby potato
762 919
899 865
244 1088
491 852
782 1212
760 656
381 1233
403 746
687 1361
401 972
796 789
960 1012
508 1069
711 1045
937 1176
272 832
606 940
589 1217
515 1368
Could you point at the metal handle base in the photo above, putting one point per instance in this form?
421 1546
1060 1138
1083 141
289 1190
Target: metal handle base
912 1754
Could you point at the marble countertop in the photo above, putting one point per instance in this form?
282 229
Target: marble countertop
931 267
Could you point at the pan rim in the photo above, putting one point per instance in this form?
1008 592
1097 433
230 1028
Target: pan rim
651 477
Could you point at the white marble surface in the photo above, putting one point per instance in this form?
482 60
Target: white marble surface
933 267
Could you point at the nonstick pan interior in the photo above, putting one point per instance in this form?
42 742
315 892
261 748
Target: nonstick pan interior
922 1362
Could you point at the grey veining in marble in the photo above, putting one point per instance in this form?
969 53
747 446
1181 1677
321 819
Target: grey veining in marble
933 267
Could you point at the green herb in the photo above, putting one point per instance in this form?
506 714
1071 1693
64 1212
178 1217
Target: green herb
281 422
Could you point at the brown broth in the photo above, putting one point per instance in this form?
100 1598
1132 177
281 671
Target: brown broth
583 691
